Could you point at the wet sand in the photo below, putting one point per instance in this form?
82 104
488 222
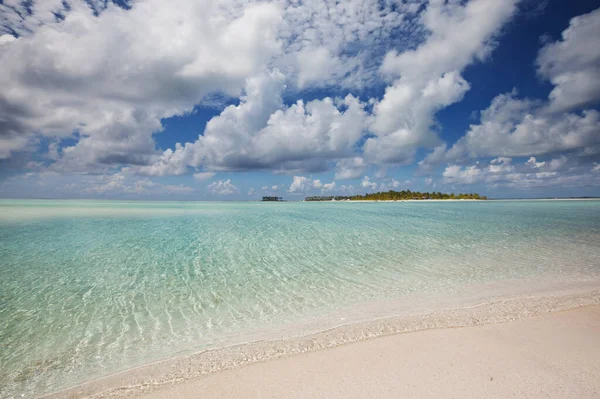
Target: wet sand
538 348
552 356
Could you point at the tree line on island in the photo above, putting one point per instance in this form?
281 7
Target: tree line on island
399 196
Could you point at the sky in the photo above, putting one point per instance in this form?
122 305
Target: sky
239 99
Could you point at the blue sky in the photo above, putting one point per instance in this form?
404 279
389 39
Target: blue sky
230 100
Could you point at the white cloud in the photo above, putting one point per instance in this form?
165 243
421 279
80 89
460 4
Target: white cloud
596 167
433 158
261 133
327 187
201 176
532 162
328 42
251 191
455 174
159 60
501 165
300 184
223 187
501 172
114 183
170 58
303 184
367 183
11 142
5 39
513 127
114 76
25 17
572 64
316 65
558 163
429 77
551 165
351 168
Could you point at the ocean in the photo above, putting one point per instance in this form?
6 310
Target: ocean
89 288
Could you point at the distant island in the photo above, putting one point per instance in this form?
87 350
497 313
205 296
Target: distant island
399 196
276 199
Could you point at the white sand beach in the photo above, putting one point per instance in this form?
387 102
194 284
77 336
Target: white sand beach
555 355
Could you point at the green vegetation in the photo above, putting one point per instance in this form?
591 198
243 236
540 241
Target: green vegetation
399 196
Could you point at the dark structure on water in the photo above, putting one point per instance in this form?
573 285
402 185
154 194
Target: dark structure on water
272 198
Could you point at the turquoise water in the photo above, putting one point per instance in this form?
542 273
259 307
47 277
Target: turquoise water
91 287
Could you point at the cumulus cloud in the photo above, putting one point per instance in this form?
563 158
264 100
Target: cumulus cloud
262 133
155 60
78 110
303 184
515 127
367 183
456 174
114 108
572 64
251 192
501 165
299 184
148 63
551 165
351 168
502 172
429 78
435 157
532 162
558 163
223 187
316 65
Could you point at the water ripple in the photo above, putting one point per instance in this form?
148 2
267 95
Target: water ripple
91 287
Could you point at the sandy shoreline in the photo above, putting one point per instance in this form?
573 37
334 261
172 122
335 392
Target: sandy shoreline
216 372
551 356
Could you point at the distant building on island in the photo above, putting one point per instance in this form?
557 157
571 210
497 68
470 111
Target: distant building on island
272 198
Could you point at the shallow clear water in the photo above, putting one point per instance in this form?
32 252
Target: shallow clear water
91 287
